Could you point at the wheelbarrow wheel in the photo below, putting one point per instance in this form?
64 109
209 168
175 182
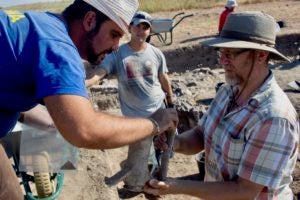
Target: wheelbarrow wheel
43 184
42 178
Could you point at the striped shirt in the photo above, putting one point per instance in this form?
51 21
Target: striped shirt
257 142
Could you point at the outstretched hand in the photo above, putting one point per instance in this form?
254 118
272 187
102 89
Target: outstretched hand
156 187
167 119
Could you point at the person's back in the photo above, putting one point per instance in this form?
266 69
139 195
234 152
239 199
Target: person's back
26 38
229 8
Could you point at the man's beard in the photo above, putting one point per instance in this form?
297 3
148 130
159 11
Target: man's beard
92 56
233 80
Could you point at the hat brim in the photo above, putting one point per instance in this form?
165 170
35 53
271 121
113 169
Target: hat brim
220 42
138 21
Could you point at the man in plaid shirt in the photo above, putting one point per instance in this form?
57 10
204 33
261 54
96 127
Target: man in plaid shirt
250 132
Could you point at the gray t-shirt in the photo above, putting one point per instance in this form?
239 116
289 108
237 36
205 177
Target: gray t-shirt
140 91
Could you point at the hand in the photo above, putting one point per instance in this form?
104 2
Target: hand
160 142
167 119
156 187
170 99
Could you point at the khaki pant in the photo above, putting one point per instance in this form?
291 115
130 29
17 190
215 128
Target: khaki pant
9 185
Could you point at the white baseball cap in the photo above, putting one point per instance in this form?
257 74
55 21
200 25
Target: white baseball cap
231 4
120 11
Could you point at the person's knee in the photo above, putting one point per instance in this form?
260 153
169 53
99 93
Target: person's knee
9 185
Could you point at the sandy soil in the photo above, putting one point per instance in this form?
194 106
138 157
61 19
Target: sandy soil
88 181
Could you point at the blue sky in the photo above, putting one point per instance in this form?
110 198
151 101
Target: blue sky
4 3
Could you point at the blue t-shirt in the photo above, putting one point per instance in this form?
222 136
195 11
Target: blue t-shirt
37 59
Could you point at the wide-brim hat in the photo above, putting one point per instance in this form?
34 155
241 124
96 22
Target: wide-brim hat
141 17
248 30
119 11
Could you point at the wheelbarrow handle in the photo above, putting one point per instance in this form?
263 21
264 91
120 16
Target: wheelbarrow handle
190 15
182 18
181 13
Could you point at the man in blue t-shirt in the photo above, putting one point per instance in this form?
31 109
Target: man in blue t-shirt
40 62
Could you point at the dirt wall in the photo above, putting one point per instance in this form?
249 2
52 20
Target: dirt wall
194 56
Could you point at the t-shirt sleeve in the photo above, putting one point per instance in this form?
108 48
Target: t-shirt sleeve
59 70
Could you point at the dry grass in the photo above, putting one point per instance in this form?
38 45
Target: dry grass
150 6
172 5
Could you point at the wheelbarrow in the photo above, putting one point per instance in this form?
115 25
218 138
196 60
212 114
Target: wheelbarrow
36 185
163 28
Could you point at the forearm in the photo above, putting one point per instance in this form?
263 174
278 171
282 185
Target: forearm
189 142
212 190
83 127
108 131
91 81
166 86
38 117
94 75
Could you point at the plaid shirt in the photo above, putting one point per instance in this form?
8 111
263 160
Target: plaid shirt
257 142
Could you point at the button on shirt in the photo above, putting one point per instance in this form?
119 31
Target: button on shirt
257 142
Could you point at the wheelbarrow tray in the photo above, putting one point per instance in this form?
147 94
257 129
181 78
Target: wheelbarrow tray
161 25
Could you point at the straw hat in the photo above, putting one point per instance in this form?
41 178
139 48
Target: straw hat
120 11
231 4
248 30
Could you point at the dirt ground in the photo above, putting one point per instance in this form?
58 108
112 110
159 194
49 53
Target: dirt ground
87 182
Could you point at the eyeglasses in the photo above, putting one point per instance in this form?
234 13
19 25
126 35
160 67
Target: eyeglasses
231 55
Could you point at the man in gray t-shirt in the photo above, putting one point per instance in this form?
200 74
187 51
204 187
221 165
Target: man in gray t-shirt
141 77
141 70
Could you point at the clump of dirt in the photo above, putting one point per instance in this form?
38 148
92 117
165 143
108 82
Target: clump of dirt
198 56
